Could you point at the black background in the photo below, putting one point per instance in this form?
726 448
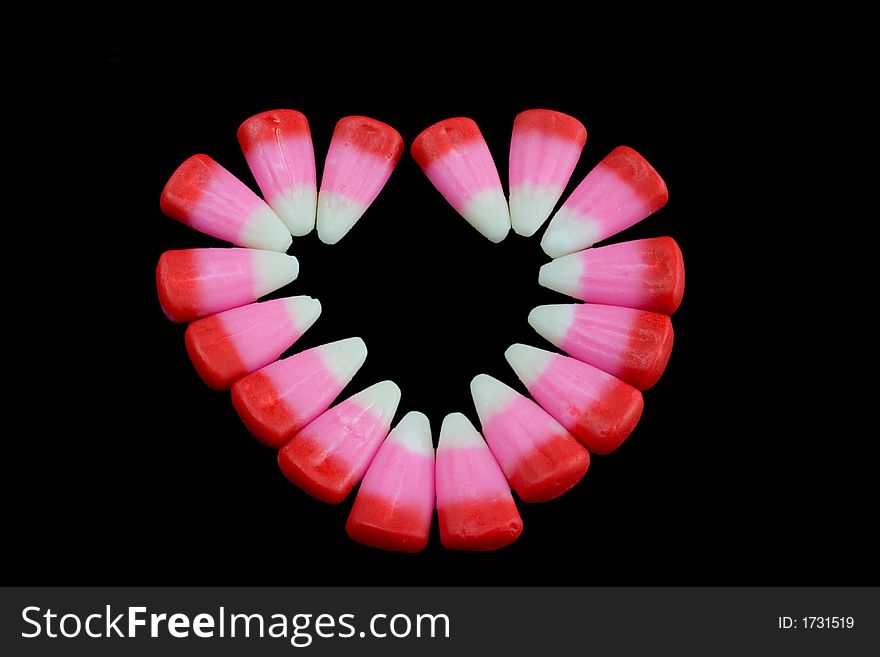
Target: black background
142 474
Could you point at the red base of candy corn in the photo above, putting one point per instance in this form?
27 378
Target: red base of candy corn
213 355
556 467
176 282
262 412
186 186
440 139
374 522
606 423
663 259
649 357
319 474
480 525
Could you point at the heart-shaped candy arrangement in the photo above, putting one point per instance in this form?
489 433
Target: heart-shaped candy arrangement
587 402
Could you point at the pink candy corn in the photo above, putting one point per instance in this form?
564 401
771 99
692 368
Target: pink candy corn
282 398
362 155
193 283
622 190
474 504
633 345
395 503
205 196
540 459
544 151
330 456
456 159
232 344
645 274
598 409
278 148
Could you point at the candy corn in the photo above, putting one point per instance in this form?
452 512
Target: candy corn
232 344
193 283
474 504
633 345
540 459
622 190
278 148
280 399
205 196
598 409
331 454
456 159
395 502
644 274
544 151
362 155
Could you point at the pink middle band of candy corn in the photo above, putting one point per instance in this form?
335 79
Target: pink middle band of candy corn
205 196
633 345
598 409
278 148
540 459
455 158
232 344
330 456
622 190
194 283
395 502
280 399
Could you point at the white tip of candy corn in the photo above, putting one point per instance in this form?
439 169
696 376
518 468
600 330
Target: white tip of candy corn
344 357
381 398
272 270
528 362
457 431
414 433
296 207
565 230
337 214
303 311
490 396
487 212
265 230
530 205
552 321
562 274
